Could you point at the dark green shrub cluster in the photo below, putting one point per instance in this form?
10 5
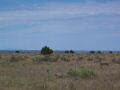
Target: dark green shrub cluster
99 52
92 52
17 51
67 51
110 52
46 51
71 51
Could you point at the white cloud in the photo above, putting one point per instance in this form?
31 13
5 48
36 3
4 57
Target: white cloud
59 11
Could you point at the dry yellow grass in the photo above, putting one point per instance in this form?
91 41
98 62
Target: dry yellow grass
31 72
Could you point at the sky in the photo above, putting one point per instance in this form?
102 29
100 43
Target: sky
60 24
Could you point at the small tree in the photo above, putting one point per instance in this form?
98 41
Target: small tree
71 51
66 51
92 52
110 52
99 52
46 50
17 51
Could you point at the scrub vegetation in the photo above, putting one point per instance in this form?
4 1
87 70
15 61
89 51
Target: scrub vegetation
63 71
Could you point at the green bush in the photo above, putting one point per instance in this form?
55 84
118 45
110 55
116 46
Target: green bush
99 52
71 51
82 73
92 52
66 51
17 51
46 51
110 52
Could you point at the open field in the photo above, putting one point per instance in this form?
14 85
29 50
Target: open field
60 71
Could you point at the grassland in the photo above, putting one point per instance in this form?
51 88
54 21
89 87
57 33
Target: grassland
59 71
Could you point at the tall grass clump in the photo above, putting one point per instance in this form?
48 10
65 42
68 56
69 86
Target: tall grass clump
82 73
72 86
46 58
65 58
14 58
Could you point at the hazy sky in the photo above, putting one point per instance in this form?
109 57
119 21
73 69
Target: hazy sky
60 24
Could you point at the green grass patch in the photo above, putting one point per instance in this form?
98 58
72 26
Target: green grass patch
82 73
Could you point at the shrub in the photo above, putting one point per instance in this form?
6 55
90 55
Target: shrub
110 52
99 52
82 73
46 51
92 52
85 73
17 51
71 51
66 51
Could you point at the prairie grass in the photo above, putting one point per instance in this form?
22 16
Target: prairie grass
32 72
82 73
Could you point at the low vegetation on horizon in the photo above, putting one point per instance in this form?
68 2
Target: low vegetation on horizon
64 71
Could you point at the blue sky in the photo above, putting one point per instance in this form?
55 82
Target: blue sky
60 24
